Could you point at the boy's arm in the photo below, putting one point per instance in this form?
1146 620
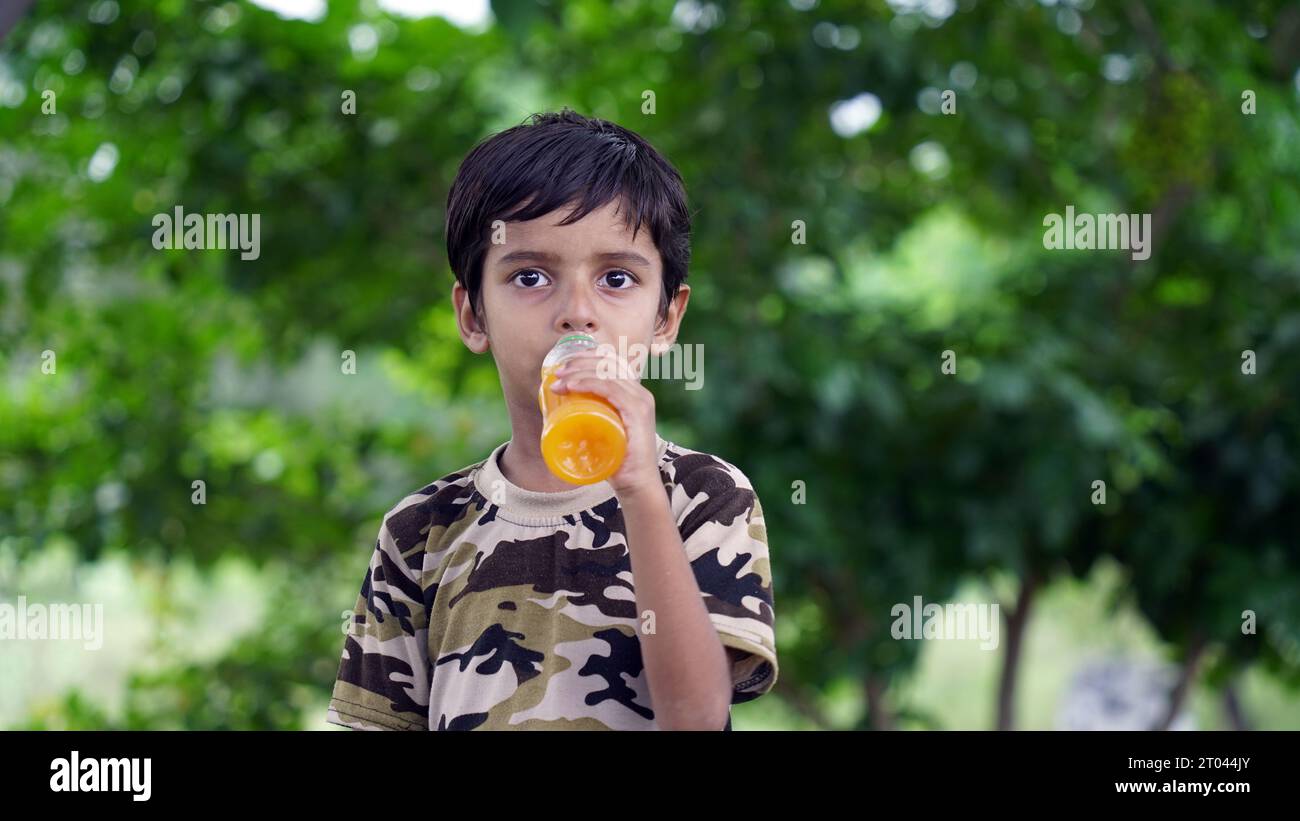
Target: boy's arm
688 671
693 682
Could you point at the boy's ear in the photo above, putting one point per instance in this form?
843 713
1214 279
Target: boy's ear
666 329
473 332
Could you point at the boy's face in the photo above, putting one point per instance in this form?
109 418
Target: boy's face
547 280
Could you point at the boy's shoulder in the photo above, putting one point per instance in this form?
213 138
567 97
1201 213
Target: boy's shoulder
705 489
698 470
440 503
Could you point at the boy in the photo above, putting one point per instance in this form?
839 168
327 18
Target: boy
501 597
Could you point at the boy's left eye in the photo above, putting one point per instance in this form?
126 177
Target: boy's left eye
620 280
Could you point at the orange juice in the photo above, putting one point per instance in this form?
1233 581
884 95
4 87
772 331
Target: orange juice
583 438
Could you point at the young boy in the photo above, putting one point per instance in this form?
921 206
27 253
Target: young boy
501 597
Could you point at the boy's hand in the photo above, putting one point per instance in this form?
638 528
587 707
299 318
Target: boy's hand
618 382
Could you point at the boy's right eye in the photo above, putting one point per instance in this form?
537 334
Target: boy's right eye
529 278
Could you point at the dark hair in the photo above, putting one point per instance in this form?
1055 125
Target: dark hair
551 160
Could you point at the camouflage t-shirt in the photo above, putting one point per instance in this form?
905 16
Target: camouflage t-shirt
488 606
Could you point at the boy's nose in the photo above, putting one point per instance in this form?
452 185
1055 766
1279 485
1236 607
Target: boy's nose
576 326
578 315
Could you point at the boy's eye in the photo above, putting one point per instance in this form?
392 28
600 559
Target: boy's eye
620 280
530 278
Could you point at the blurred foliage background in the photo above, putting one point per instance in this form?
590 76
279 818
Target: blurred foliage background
923 235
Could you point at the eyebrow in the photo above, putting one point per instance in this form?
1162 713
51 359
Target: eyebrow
544 256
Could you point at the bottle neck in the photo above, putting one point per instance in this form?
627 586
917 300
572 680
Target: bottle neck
568 346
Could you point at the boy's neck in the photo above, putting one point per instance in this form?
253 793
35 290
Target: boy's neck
521 463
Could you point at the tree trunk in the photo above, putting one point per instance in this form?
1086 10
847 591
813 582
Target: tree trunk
1237 719
1186 674
877 707
805 705
1016 621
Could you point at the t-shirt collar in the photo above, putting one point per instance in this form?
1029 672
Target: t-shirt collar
497 489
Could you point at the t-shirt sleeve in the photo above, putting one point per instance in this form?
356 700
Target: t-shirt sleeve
383 679
725 537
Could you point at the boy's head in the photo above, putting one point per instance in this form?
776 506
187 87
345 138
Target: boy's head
594 236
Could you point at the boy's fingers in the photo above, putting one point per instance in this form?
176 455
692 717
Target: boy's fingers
593 384
604 367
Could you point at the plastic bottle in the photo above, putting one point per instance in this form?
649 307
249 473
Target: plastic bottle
583 438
